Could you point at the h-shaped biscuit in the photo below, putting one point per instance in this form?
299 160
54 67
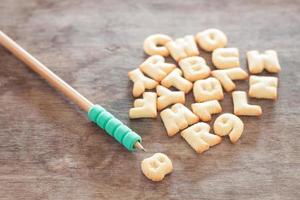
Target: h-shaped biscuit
183 47
155 44
206 109
208 89
176 80
263 87
168 97
211 39
177 118
241 106
157 166
194 68
258 62
224 58
156 67
225 76
145 107
199 138
140 82
229 124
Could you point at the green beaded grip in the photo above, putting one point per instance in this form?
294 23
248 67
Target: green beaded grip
114 127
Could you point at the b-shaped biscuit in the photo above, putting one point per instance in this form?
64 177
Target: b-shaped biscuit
226 76
211 39
241 106
176 80
183 47
224 58
199 138
168 97
155 45
140 82
156 67
206 109
145 107
177 118
157 166
194 68
263 87
208 89
258 62
229 124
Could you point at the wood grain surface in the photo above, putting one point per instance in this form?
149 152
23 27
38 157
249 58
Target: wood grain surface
48 148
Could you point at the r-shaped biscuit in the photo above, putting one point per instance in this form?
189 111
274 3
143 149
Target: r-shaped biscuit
208 89
258 62
241 106
263 87
168 97
206 109
155 44
157 166
145 107
211 39
224 58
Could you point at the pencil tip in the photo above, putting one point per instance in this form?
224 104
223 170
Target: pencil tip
140 146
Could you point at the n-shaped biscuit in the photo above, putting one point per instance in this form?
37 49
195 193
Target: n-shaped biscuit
211 39
168 97
263 87
224 58
258 62
241 106
208 89
144 108
206 109
155 44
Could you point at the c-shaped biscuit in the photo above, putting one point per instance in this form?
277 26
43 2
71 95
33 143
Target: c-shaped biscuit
263 87
258 62
211 39
144 108
168 97
208 89
206 109
155 45
224 58
241 106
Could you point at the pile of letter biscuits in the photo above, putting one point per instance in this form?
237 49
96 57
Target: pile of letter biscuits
207 85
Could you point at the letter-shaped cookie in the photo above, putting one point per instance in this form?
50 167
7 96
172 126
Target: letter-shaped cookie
157 166
229 124
208 89
183 47
176 80
224 58
263 87
140 82
241 106
177 118
199 138
206 109
258 62
168 97
211 39
145 107
156 68
225 76
194 68
155 45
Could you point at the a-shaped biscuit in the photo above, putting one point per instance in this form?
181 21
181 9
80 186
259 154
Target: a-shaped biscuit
176 80
241 106
194 68
258 62
168 97
224 58
225 76
183 47
208 89
156 67
229 124
211 39
177 118
263 87
199 138
145 107
155 44
157 167
206 109
140 82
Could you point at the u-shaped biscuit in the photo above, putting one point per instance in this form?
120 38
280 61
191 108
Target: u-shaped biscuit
208 89
145 107
211 39
258 62
224 58
263 87
155 44
241 106
168 97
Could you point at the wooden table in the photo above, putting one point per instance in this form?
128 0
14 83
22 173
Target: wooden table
48 148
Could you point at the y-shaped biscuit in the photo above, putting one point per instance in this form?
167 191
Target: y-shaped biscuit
258 62
226 76
224 58
155 45
145 107
156 68
241 106
199 138
229 124
177 118
194 68
168 97
206 109
140 82
263 87
211 39
208 89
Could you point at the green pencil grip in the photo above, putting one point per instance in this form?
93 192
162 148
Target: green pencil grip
114 127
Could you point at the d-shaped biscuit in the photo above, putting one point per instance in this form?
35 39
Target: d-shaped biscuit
208 89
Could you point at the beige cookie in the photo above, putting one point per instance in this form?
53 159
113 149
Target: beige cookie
241 106
258 62
206 109
263 87
157 167
208 89
211 39
145 107
168 97
155 45
224 58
